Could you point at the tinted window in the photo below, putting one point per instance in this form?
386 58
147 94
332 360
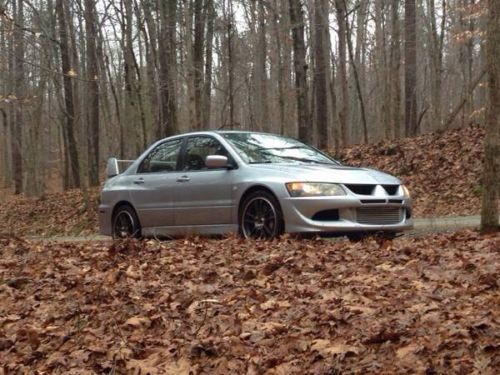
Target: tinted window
197 149
163 158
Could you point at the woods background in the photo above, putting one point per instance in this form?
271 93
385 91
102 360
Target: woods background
85 79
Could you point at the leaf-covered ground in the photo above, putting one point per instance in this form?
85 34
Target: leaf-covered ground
442 170
414 305
51 214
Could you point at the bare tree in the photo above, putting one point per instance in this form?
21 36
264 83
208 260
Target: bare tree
93 92
491 174
207 86
17 115
167 60
436 44
321 72
357 81
199 28
69 105
261 75
343 114
395 65
300 65
410 68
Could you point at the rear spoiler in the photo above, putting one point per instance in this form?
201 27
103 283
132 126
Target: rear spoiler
113 166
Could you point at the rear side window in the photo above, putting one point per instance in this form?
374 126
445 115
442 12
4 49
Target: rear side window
163 158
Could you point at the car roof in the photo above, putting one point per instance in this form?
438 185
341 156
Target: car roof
218 131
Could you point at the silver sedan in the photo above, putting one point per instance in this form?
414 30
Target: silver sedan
256 184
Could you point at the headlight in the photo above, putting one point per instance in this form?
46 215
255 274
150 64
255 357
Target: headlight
313 189
406 192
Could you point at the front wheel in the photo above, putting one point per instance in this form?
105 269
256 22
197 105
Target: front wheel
261 217
126 223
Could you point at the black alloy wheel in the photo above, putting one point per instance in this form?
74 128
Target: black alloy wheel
125 223
261 217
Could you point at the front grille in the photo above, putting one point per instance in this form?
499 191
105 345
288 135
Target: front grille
379 215
361 189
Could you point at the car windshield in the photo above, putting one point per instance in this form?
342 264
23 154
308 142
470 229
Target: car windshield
255 148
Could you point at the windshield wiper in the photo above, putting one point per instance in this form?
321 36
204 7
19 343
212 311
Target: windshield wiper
281 148
303 160
261 162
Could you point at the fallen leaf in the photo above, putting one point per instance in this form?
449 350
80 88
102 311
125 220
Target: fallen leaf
328 348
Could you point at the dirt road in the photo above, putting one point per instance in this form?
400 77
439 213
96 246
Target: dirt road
422 226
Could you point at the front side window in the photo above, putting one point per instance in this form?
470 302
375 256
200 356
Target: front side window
255 148
163 158
197 149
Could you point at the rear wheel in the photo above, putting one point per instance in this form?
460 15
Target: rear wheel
261 216
126 223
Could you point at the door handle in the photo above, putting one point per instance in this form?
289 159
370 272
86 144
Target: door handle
183 179
139 181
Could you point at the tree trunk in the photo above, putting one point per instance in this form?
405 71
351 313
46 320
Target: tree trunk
199 28
17 122
491 172
230 63
5 153
207 87
342 75
262 70
410 69
69 104
93 92
356 81
300 66
321 72
395 82
167 57
436 59
382 100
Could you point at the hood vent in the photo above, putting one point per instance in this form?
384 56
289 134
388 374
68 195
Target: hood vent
391 189
361 189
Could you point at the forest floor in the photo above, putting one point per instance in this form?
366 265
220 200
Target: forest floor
413 305
425 303
442 170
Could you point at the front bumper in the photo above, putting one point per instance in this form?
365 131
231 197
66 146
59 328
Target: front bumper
299 214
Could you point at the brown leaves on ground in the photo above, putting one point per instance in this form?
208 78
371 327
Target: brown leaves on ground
413 305
442 170
51 214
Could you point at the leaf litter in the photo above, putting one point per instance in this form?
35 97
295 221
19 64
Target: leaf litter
202 306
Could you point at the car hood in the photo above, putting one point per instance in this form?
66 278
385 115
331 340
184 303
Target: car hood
325 173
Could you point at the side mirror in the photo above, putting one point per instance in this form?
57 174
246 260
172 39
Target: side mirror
112 168
216 161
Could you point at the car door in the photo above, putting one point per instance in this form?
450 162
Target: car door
203 196
152 192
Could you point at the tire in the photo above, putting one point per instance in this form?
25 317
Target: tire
261 216
125 223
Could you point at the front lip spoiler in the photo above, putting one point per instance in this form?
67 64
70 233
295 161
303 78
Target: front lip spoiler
344 226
